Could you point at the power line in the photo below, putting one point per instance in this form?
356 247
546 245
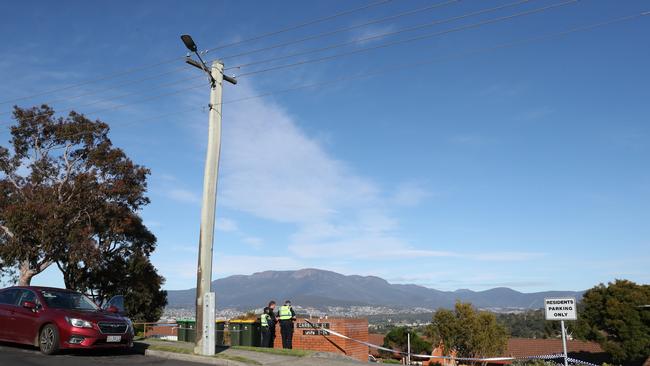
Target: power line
113 87
181 81
171 60
301 25
155 76
394 68
408 40
91 81
474 25
119 106
401 67
391 33
340 30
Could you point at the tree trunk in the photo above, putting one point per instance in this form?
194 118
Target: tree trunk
26 274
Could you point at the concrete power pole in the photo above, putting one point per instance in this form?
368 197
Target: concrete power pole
205 299
208 206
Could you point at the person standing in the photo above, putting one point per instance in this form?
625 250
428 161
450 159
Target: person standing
272 322
265 323
287 317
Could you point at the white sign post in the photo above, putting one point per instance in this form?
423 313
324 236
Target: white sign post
561 309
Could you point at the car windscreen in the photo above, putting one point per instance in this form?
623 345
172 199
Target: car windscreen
67 300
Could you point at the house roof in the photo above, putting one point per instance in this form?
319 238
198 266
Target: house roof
519 347
582 350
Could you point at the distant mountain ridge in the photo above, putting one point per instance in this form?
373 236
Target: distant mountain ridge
320 289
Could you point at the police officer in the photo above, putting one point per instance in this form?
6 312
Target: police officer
287 317
265 320
272 322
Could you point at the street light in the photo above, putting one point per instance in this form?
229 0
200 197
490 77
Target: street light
205 299
191 46
189 42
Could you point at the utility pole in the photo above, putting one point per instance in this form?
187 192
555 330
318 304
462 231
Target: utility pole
205 299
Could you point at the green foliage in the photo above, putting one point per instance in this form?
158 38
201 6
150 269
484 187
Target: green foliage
68 197
529 324
533 363
8 274
391 361
469 332
611 315
397 339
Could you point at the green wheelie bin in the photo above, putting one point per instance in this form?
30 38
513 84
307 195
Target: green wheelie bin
250 333
219 332
181 334
234 326
190 331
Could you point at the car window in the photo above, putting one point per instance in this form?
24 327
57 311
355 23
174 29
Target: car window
27 295
68 300
9 296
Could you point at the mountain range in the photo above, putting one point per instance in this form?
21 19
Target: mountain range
321 289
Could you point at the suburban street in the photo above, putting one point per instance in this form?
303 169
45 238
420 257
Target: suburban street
29 356
325 183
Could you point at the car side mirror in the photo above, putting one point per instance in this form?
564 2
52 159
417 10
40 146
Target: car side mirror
113 309
29 305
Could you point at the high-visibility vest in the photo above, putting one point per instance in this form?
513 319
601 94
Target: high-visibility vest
285 312
265 320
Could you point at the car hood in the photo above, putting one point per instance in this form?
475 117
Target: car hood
95 316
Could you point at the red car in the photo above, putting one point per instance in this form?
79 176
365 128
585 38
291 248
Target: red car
54 319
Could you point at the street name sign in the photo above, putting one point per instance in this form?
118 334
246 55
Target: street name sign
561 308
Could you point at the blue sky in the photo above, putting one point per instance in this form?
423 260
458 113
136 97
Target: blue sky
524 167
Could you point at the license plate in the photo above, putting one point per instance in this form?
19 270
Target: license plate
113 339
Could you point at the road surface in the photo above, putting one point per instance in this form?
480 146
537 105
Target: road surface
11 355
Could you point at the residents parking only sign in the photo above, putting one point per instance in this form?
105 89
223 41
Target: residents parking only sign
562 308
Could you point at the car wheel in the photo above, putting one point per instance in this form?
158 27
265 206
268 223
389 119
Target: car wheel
48 340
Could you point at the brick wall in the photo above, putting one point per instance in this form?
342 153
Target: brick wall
353 328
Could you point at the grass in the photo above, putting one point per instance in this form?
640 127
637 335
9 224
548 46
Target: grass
391 361
276 351
188 351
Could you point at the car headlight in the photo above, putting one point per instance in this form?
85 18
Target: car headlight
79 323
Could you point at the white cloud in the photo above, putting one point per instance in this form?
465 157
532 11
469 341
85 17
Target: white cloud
183 195
253 241
410 194
226 225
371 34
274 170
225 265
507 256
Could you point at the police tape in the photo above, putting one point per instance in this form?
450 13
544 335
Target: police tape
472 359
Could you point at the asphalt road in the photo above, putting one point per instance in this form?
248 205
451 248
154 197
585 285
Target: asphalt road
11 355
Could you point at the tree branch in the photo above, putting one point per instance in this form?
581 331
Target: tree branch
11 178
7 231
42 266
